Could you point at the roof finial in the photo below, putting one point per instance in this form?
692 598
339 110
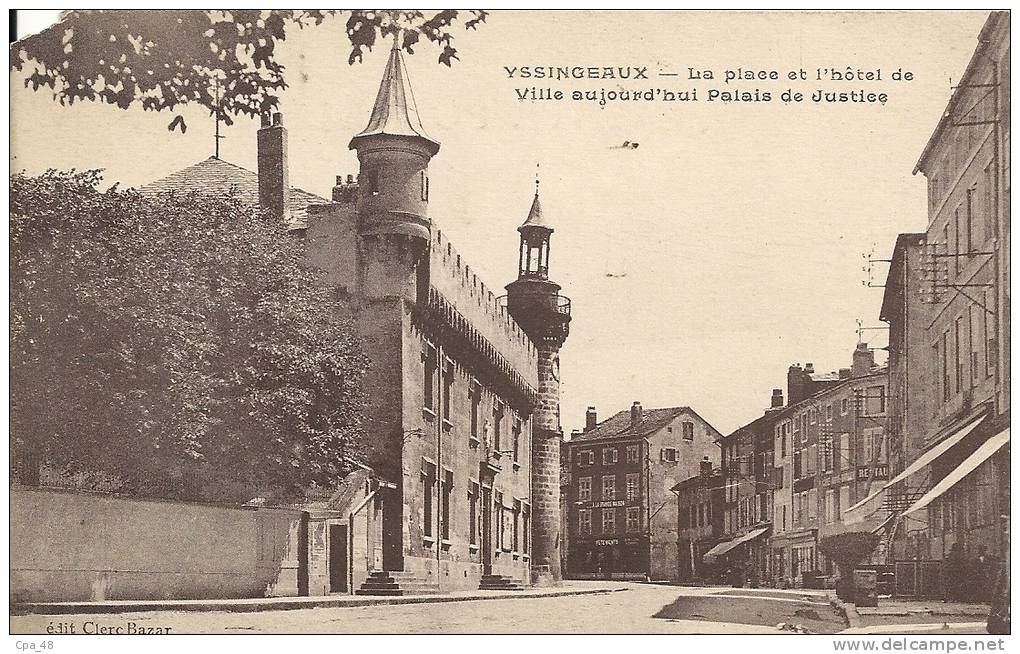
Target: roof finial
535 215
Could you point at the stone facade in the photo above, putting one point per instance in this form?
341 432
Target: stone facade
621 507
453 380
957 369
747 481
832 451
462 386
700 512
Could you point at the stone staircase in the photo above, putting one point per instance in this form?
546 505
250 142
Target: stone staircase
499 582
395 583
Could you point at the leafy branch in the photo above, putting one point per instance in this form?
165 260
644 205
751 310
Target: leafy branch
167 59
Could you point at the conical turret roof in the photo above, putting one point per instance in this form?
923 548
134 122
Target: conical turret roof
395 112
535 217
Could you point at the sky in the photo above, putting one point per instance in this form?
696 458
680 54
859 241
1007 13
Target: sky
728 245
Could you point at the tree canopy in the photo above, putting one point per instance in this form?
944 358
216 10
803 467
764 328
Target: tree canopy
849 548
223 60
175 333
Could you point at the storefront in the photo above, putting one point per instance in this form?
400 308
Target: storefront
743 558
616 558
794 554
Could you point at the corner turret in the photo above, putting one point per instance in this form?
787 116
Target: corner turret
394 151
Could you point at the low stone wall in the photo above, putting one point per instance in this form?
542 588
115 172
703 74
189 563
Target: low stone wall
68 546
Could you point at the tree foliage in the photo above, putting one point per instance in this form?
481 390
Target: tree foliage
848 549
223 60
175 333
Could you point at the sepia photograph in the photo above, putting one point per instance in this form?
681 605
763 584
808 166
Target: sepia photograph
505 322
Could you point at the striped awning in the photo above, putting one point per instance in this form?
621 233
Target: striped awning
980 455
728 545
919 463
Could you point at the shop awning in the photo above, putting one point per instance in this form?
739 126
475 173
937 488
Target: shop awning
920 462
980 455
728 545
884 523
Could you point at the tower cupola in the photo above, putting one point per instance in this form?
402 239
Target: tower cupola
533 299
535 236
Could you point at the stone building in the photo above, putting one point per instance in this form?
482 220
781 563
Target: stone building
700 502
747 472
621 514
831 450
947 302
463 415
966 163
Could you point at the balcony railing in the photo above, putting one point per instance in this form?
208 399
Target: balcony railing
562 303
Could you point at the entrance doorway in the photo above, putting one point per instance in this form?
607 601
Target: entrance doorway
338 559
302 555
486 530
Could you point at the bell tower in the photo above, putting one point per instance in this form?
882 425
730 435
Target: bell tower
393 187
536 305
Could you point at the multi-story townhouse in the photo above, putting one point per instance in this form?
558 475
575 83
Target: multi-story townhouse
831 449
621 514
699 523
948 307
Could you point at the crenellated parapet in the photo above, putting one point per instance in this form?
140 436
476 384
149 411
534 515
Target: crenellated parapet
465 342
460 287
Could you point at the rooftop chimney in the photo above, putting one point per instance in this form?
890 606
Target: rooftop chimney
809 368
635 413
338 189
274 179
777 398
844 373
863 361
797 384
590 419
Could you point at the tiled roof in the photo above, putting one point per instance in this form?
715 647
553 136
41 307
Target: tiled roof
752 426
218 177
652 420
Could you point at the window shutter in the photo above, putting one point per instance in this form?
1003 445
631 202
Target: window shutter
662 454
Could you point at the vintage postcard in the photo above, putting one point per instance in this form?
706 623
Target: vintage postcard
510 322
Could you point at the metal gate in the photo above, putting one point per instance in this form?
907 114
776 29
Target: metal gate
919 579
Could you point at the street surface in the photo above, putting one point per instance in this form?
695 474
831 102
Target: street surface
641 608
